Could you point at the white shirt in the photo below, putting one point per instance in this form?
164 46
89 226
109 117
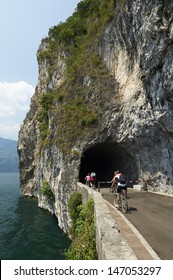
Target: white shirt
118 177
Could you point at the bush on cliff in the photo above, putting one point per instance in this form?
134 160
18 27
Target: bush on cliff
83 246
46 190
75 201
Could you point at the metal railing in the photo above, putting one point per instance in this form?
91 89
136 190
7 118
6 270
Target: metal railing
129 183
103 182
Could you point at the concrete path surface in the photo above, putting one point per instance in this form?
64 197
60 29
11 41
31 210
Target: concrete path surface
152 215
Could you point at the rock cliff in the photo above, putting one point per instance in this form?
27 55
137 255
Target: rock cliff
103 101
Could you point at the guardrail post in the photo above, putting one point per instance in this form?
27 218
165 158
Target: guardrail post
98 186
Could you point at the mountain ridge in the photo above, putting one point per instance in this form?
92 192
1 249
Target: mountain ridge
8 156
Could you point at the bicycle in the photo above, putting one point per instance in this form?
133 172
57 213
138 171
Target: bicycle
123 199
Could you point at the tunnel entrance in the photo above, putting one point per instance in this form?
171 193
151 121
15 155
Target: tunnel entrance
104 159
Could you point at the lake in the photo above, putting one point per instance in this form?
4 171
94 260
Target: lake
26 231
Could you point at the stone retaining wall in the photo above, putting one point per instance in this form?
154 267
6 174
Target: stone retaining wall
110 244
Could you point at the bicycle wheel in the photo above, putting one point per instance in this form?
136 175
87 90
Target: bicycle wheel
124 203
93 186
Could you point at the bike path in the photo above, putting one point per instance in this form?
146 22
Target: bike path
152 215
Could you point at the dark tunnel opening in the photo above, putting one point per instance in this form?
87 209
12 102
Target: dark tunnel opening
104 159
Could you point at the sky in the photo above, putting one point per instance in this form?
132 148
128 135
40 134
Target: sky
23 24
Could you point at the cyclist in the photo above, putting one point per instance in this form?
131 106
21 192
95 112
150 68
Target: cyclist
93 180
114 180
88 179
120 182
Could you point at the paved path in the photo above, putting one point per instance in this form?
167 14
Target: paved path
152 216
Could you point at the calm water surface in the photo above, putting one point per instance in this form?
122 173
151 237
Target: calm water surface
26 231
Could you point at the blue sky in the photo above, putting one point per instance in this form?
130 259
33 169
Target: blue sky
23 24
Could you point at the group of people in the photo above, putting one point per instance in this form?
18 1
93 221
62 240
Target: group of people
91 180
117 181
120 183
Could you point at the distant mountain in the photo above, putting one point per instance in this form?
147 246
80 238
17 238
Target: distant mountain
8 155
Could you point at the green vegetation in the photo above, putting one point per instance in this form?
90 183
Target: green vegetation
46 190
74 118
44 54
83 246
69 108
46 101
89 17
79 33
75 201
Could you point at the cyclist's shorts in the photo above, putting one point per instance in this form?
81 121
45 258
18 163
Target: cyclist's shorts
121 188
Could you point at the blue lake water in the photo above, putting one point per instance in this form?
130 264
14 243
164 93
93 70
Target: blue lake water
26 231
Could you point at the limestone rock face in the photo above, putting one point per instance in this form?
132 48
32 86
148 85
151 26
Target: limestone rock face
134 132
137 49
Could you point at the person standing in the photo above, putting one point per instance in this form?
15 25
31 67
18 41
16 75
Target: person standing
88 179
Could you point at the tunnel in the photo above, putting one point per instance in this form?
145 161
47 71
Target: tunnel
104 159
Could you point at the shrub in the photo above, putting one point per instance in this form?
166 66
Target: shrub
83 246
44 54
75 201
46 101
46 190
